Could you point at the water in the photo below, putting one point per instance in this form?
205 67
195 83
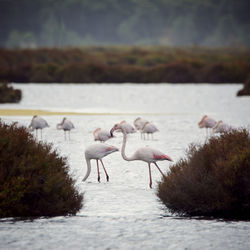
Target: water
125 213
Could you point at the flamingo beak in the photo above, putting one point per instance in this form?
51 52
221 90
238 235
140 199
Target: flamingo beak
111 132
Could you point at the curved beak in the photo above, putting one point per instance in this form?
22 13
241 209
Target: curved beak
112 132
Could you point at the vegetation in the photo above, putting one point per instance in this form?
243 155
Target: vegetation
34 180
57 23
214 179
125 64
9 94
245 90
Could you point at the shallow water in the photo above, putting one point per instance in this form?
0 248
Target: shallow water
125 213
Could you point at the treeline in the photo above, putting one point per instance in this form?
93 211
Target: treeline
59 23
125 64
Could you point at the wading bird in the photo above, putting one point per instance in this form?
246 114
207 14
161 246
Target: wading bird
66 125
102 135
206 122
221 127
38 122
145 154
97 152
128 127
139 124
149 128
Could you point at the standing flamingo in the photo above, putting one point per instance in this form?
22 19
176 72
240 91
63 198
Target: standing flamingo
206 122
66 125
139 123
102 135
146 154
97 152
38 122
149 128
128 127
221 127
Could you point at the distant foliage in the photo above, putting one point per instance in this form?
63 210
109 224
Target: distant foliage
53 23
214 179
34 179
245 90
125 64
8 94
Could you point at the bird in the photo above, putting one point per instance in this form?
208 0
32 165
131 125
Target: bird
145 154
102 135
207 122
149 128
97 152
128 127
38 122
221 127
139 123
66 125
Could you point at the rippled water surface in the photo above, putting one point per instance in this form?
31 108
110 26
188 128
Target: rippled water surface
125 213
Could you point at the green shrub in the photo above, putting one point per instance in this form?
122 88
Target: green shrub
34 180
8 94
213 180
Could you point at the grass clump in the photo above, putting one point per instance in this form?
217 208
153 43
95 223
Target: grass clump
213 180
8 94
34 180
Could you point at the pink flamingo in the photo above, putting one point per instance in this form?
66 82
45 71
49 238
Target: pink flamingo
102 135
38 122
97 152
149 128
145 154
128 127
66 125
221 127
139 124
206 122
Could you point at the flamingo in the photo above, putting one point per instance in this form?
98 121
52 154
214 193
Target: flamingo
38 122
139 123
66 125
128 127
97 152
149 128
221 127
207 122
145 154
102 135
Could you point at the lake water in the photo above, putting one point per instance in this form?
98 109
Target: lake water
125 213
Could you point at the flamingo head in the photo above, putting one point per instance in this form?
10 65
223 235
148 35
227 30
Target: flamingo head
116 127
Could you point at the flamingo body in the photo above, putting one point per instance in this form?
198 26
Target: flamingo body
206 122
149 128
38 122
139 123
97 152
128 127
102 135
221 127
66 125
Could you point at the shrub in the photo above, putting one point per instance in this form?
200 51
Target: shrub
213 180
8 94
34 180
245 90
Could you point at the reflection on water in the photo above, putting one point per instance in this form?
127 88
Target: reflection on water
125 213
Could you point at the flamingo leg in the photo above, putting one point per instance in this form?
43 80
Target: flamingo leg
98 172
65 135
105 170
69 134
160 170
41 133
150 176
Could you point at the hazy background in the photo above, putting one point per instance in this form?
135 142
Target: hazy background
59 23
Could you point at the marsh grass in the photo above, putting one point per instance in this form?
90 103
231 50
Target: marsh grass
34 179
213 179
125 64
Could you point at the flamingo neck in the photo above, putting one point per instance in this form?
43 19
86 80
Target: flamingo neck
131 158
88 170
